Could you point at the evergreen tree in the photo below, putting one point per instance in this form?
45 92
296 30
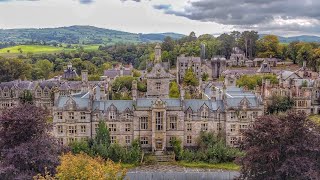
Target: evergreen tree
190 78
174 90
103 135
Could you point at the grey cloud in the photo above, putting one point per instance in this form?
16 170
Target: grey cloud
86 1
162 7
250 13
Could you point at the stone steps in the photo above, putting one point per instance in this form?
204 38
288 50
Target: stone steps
165 158
162 157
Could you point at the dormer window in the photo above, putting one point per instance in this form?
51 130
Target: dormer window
204 114
6 93
46 93
112 115
127 116
38 93
189 116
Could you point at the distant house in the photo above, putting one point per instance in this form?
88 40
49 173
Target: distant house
112 74
69 73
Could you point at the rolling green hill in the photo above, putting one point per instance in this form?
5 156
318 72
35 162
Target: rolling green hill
303 38
79 35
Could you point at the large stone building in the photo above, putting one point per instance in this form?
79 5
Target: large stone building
213 67
43 92
156 119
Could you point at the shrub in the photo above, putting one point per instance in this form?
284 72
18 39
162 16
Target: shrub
211 150
82 166
177 149
149 160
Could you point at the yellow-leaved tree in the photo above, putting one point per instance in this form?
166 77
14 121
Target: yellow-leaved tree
82 166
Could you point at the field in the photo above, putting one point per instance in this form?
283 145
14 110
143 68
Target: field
36 49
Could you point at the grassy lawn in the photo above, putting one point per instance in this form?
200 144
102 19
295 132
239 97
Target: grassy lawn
315 118
31 49
15 50
225 166
128 166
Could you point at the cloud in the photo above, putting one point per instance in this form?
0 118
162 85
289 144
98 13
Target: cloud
253 14
162 6
86 1
131 0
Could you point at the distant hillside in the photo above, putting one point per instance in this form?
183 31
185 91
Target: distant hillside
303 38
79 34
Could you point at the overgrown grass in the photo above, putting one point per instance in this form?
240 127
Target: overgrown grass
128 166
315 118
204 165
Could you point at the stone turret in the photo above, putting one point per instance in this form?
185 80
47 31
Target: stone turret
157 53
84 76
84 79
134 90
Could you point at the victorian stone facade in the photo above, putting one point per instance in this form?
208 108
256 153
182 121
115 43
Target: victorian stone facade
155 119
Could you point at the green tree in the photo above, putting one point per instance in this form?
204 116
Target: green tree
103 135
12 69
227 43
251 81
268 46
174 90
176 143
305 53
248 43
205 76
168 44
190 78
121 82
279 104
293 49
42 69
26 97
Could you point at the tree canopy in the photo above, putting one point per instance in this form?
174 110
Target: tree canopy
26 148
190 78
281 147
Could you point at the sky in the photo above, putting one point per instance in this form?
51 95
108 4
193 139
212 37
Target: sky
280 17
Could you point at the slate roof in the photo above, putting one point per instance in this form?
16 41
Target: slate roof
286 74
112 73
195 104
81 102
121 105
239 71
147 102
235 95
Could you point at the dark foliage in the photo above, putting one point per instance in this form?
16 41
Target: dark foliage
281 147
211 150
26 148
101 146
279 104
